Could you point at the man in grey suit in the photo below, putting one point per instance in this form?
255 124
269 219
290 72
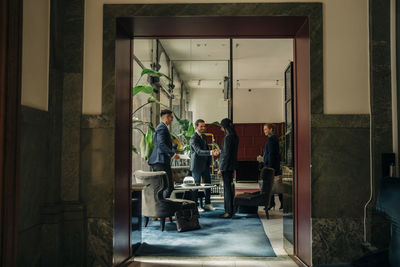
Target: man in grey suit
160 159
200 161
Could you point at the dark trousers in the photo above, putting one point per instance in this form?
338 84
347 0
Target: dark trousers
170 183
207 180
229 192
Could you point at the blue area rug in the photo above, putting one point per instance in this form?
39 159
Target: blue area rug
242 236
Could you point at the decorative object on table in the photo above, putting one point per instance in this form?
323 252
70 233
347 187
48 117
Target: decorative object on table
188 181
153 202
187 219
260 198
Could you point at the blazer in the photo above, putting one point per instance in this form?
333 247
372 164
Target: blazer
200 158
162 152
228 158
271 154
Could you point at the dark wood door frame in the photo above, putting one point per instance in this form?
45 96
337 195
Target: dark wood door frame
302 160
123 145
295 27
10 99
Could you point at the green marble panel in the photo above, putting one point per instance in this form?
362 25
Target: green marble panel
340 121
29 254
340 172
33 184
73 36
73 235
34 174
336 240
100 242
97 172
70 156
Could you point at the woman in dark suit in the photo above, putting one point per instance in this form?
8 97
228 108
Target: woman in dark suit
227 165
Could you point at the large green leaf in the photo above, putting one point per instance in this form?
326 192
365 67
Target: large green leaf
190 130
147 89
154 73
143 146
149 143
152 99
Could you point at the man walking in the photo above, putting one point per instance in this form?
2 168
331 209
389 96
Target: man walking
160 159
200 161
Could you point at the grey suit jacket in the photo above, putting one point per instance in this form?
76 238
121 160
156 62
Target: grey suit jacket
200 158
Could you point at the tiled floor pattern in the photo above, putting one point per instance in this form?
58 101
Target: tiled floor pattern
273 229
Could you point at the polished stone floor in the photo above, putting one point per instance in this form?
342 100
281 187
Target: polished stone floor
273 229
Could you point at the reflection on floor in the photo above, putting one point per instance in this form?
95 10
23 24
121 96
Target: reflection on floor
273 229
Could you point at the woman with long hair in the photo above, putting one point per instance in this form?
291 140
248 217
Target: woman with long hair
227 165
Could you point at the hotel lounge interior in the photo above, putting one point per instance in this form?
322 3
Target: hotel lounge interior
83 86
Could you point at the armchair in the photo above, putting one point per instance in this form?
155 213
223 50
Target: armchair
153 202
260 198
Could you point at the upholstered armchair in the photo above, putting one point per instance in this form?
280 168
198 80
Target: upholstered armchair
153 202
260 198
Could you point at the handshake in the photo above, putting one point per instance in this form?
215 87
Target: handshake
215 152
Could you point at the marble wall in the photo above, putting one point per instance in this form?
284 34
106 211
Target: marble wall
33 182
97 186
52 230
339 186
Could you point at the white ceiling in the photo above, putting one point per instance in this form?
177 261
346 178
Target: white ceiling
257 63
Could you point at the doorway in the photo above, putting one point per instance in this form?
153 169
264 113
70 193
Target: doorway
214 27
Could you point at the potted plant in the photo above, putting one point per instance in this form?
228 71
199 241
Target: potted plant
147 144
